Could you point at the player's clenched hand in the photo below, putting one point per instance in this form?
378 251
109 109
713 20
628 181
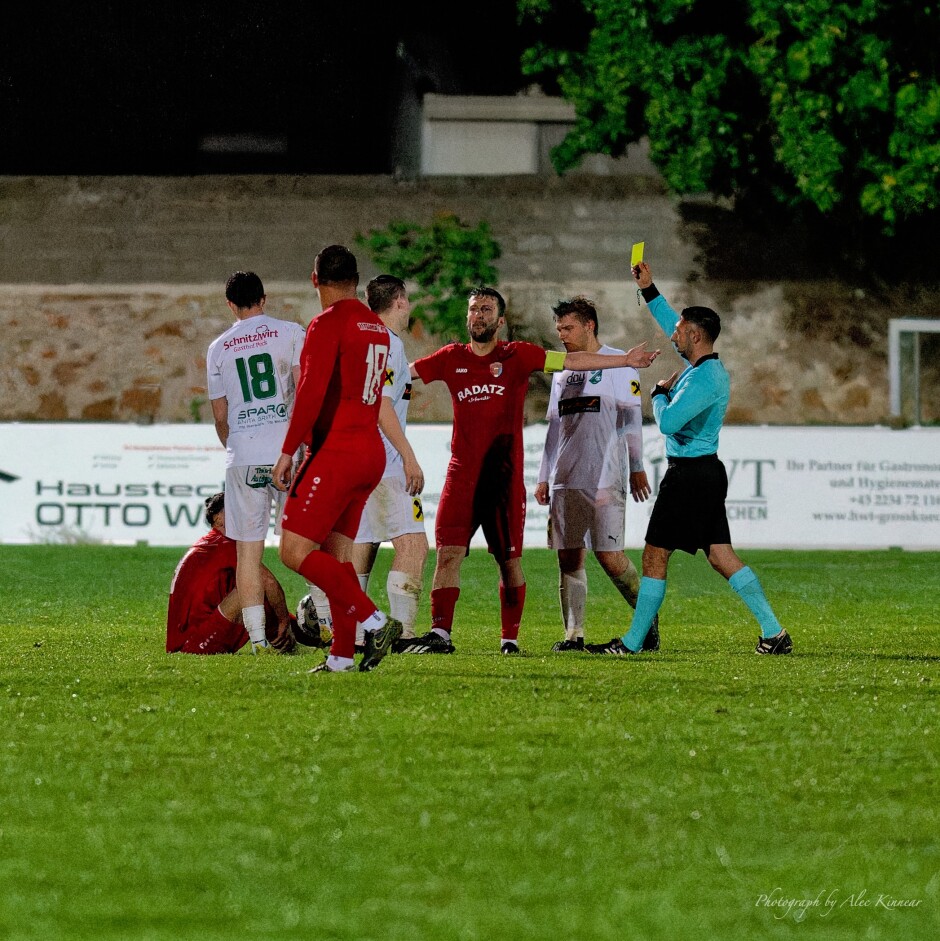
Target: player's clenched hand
640 357
282 472
541 493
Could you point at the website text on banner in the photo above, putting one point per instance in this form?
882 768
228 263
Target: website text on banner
788 487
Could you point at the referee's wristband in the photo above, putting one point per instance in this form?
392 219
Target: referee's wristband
649 293
659 390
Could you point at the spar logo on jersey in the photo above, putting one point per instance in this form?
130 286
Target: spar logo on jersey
269 411
480 393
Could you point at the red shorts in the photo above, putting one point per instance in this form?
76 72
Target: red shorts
330 491
468 504
215 634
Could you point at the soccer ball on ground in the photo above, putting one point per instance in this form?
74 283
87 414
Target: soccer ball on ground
310 630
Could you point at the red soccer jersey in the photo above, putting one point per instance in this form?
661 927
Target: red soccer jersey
204 576
342 369
488 393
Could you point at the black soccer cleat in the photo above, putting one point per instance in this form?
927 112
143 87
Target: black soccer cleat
572 643
614 646
509 647
427 643
651 641
778 644
378 644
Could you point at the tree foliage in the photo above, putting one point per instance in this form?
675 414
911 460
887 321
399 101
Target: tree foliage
819 104
445 259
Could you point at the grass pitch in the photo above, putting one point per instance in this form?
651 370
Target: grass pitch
700 792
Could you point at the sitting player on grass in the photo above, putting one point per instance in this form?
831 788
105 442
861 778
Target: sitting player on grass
204 613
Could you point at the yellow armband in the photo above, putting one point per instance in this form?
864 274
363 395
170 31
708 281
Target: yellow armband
554 361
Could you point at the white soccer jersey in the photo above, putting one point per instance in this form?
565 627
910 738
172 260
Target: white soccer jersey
250 364
595 429
398 389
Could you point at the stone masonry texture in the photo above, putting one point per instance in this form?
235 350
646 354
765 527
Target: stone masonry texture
111 288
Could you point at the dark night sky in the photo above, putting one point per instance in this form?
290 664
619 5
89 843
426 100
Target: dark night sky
124 87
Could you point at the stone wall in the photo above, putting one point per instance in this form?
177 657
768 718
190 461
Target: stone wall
111 288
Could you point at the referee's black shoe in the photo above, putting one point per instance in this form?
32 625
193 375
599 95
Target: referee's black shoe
778 644
570 643
614 646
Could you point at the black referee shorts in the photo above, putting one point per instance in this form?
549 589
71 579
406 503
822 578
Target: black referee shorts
689 513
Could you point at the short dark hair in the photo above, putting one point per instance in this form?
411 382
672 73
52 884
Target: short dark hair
244 289
336 264
579 307
481 290
383 290
705 318
214 506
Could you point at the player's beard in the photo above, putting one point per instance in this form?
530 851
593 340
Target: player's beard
483 333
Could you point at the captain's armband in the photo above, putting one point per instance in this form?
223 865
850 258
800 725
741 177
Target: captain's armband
554 361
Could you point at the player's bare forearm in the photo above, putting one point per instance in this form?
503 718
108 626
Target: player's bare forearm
639 357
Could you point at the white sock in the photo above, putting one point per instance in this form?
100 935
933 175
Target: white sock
572 592
253 619
403 595
628 584
372 623
321 603
339 663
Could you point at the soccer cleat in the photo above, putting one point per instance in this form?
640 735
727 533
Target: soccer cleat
309 629
428 643
378 644
651 641
324 667
572 643
262 649
779 644
614 646
509 647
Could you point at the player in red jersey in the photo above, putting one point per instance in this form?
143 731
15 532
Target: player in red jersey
204 613
336 414
484 486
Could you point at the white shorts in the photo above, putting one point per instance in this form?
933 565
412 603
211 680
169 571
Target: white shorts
587 519
251 500
390 512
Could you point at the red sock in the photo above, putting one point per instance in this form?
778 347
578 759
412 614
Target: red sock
443 602
344 635
339 581
511 604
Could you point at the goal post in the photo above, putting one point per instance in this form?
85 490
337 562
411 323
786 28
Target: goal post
904 365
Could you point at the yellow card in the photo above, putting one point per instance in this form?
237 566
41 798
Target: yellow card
636 256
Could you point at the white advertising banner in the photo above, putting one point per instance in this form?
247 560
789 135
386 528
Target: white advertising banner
788 487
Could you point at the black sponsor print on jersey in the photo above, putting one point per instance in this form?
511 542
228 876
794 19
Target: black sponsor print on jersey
8 478
578 404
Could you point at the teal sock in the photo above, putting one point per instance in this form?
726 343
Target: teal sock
648 603
747 585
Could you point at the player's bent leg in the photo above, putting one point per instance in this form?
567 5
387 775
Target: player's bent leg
214 635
